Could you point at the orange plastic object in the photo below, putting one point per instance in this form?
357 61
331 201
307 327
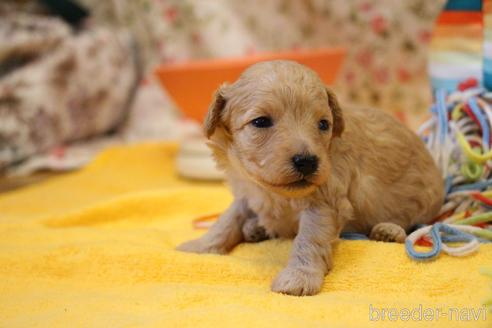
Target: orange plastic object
191 84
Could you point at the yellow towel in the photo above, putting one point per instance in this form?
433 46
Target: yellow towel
96 248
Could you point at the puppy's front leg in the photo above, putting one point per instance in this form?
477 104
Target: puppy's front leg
224 235
310 259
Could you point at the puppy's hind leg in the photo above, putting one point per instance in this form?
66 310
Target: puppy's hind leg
224 235
387 231
253 232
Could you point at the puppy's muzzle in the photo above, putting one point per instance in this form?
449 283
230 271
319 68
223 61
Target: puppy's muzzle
305 164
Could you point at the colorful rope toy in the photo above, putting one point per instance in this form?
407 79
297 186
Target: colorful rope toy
459 137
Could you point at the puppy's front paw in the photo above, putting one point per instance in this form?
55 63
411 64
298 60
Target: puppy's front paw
200 246
298 282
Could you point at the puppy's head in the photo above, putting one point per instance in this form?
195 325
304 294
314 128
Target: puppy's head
274 126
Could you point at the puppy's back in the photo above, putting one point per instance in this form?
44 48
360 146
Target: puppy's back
394 178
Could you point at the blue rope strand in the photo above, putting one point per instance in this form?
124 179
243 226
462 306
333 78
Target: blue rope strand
442 114
448 184
473 186
421 256
481 119
353 236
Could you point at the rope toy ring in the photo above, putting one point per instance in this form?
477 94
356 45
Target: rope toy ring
416 235
441 233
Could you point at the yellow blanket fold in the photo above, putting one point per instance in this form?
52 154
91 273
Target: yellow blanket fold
96 248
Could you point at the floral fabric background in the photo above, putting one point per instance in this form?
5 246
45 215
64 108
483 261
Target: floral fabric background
387 43
386 40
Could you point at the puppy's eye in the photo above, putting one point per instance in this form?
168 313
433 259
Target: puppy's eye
324 125
262 122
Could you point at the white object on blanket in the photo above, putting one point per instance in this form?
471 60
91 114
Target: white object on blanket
195 160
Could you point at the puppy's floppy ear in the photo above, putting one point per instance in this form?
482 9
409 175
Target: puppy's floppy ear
338 122
215 111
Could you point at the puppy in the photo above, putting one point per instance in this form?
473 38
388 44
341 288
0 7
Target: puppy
301 167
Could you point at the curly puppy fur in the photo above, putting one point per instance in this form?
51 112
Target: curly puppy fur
371 174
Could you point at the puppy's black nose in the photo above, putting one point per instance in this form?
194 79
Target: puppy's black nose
305 164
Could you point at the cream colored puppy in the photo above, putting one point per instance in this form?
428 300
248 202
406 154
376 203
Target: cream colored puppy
300 166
